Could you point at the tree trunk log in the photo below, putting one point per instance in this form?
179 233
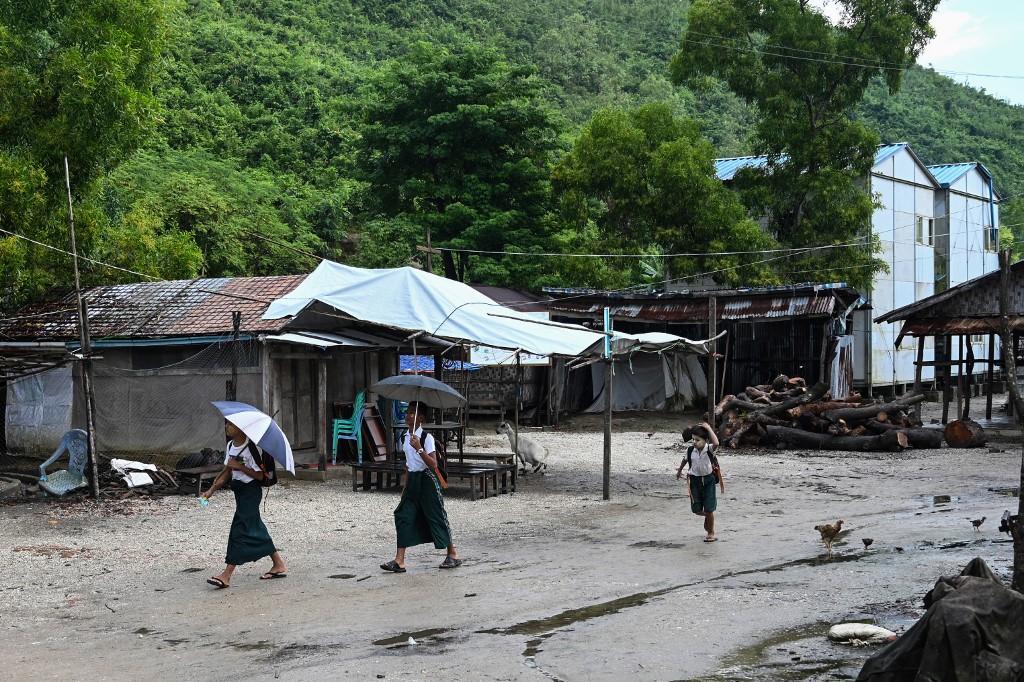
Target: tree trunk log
924 438
813 394
818 408
965 433
872 411
891 441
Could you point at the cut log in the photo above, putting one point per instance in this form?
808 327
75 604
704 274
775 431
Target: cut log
814 393
722 405
890 441
754 392
924 438
857 414
780 383
965 433
811 422
820 407
797 382
765 420
763 400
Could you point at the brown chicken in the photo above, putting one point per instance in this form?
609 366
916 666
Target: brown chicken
829 532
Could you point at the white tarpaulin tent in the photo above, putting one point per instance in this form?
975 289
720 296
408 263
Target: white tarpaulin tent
415 301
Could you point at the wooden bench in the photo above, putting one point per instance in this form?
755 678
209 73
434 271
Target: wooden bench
199 474
482 473
387 474
483 476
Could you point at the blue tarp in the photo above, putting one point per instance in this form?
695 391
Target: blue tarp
425 364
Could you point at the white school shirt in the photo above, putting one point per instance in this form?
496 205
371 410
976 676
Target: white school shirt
242 451
700 461
413 461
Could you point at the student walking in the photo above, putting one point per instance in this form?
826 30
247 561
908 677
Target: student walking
704 473
249 539
420 516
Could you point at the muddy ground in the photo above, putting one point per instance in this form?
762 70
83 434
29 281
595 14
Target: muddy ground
556 583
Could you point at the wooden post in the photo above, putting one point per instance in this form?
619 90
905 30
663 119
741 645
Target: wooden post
515 407
430 253
960 383
266 387
991 374
918 368
712 359
232 388
321 402
947 375
607 467
83 333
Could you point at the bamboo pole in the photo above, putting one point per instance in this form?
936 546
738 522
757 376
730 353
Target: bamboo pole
83 332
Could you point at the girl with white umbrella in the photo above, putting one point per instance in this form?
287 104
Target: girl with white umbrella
249 433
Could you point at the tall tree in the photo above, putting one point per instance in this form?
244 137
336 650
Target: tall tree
458 142
805 75
76 79
645 180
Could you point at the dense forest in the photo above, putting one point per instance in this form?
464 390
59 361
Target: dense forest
255 160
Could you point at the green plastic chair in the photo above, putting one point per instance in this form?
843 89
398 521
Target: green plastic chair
350 429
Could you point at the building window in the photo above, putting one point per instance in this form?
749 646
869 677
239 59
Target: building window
925 233
991 238
979 338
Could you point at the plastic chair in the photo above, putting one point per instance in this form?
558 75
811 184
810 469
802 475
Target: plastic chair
76 444
398 412
350 429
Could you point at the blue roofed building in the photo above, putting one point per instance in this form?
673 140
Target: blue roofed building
938 227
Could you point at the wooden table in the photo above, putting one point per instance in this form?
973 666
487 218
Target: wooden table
483 476
456 429
200 474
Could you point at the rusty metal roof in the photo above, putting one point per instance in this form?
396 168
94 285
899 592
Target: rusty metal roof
687 308
176 308
955 327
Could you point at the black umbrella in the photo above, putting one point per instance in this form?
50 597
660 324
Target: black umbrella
418 388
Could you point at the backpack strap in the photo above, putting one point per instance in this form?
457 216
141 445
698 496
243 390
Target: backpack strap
689 457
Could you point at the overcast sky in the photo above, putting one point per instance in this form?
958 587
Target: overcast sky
979 36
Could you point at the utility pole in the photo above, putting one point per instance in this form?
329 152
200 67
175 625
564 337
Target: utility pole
712 358
83 334
430 252
232 387
607 478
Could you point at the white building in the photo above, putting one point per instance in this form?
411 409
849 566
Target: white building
937 226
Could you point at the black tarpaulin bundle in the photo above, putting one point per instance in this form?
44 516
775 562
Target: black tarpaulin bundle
973 631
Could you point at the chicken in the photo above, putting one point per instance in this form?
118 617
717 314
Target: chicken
867 542
977 523
829 532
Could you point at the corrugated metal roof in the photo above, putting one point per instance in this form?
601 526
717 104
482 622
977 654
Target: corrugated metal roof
696 310
963 325
884 151
158 309
948 173
726 169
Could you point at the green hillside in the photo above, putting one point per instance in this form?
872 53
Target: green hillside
262 102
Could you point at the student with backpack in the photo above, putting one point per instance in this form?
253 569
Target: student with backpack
249 470
704 473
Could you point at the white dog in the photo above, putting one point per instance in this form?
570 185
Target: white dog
529 452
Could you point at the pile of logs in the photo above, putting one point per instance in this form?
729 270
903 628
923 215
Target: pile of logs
788 413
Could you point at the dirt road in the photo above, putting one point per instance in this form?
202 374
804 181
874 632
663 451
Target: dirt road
557 584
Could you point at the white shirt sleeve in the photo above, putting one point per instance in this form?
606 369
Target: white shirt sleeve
428 444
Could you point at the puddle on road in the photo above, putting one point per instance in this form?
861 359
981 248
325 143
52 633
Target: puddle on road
542 628
401 639
800 653
658 543
1009 492
261 645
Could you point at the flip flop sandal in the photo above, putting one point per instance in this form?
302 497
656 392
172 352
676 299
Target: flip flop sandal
710 539
392 567
270 575
218 583
450 563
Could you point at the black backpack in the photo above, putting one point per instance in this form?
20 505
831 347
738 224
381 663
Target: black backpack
266 464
